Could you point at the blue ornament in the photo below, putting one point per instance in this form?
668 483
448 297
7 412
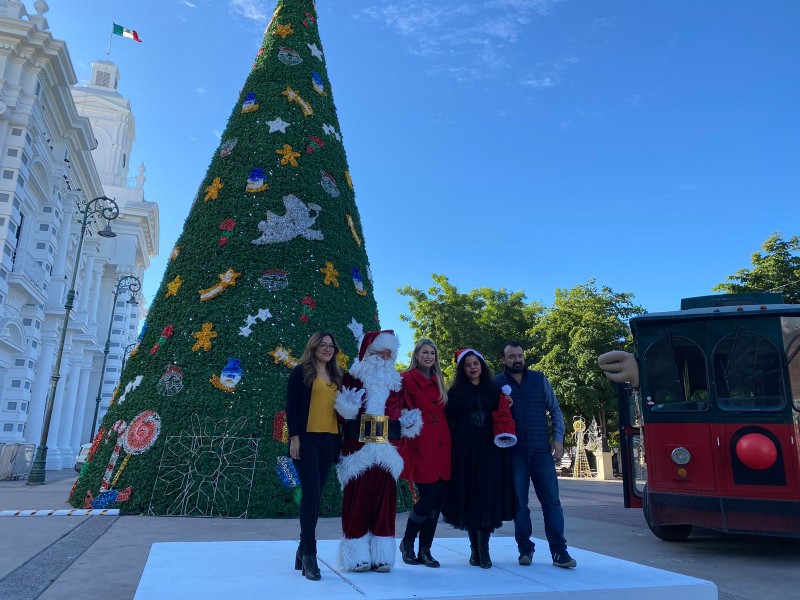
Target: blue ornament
105 499
232 373
287 473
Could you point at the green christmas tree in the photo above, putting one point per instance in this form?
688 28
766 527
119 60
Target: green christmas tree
271 251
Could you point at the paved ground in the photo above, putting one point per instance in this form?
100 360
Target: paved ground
95 557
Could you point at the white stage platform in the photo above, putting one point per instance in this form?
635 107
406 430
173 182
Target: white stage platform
217 570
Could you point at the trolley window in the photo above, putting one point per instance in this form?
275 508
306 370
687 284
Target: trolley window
747 371
791 340
675 375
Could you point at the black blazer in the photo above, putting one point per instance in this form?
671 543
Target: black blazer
298 403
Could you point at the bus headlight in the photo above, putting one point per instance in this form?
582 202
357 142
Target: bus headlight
681 456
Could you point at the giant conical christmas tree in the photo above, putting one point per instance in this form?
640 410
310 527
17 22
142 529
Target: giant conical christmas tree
271 251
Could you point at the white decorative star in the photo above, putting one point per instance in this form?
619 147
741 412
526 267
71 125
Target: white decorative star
245 331
277 124
328 129
264 314
316 52
357 329
251 320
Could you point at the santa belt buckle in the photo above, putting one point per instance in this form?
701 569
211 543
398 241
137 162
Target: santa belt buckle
374 428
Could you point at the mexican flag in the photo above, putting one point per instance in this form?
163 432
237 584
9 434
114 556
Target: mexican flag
128 33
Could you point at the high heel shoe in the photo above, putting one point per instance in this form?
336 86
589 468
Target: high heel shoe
310 568
407 551
298 558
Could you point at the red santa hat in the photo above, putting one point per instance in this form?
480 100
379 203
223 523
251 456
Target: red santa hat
379 340
463 352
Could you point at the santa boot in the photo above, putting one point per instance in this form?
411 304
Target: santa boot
413 526
426 540
473 547
484 559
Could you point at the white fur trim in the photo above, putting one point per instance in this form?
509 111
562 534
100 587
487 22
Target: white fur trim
414 427
505 440
385 341
355 552
348 402
382 550
372 454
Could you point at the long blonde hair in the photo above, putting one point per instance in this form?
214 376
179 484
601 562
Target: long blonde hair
436 368
309 360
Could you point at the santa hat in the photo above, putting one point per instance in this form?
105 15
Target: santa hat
463 352
379 340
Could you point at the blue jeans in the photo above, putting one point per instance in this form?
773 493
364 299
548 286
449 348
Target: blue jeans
538 467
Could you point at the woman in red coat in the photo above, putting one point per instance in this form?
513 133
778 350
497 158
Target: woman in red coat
427 457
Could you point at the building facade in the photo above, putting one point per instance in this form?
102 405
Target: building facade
60 147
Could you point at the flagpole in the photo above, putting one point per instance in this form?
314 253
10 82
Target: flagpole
110 37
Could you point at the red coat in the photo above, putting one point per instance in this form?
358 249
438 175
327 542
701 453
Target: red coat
427 456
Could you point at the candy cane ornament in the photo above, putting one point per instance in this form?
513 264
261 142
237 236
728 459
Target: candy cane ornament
120 428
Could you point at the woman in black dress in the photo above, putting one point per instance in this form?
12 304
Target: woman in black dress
481 493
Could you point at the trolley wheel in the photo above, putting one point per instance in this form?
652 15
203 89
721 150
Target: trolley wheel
668 533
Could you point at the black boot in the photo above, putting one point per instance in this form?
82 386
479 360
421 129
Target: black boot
310 568
484 559
425 558
298 557
407 551
473 547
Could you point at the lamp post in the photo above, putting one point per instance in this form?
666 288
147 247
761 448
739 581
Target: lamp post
131 284
108 209
126 354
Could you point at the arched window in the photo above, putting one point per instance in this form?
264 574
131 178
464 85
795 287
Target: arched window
675 376
748 373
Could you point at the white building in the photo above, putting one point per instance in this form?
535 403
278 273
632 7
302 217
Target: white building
54 158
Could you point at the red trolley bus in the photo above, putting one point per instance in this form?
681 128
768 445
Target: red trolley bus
710 438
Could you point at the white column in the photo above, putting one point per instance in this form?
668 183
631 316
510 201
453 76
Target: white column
95 293
86 285
65 448
58 287
80 431
40 388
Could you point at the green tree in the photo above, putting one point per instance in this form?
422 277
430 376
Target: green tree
777 269
482 319
583 323
271 251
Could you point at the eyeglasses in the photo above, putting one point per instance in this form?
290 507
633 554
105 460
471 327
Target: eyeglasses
327 346
384 354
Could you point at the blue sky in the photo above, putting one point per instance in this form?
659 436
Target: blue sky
525 144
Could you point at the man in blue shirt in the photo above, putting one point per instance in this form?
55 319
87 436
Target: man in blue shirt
533 456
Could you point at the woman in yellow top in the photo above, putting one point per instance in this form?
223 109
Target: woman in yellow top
313 436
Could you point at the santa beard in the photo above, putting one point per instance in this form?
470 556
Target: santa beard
379 378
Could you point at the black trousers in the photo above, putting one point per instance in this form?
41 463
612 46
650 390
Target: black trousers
318 452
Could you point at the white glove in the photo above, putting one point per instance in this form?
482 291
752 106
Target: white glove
348 402
411 422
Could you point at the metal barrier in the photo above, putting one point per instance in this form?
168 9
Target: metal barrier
16 460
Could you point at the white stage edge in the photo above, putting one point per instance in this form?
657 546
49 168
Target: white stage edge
200 570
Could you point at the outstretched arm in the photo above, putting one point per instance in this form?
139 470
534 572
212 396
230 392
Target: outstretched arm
620 366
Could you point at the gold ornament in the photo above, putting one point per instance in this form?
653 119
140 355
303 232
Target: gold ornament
289 155
204 337
330 273
353 230
212 191
284 30
226 279
174 285
293 96
284 356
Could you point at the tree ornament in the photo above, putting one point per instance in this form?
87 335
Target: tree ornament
358 283
174 285
262 315
226 225
297 221
357 329
227 147
284 357
171 381
343 361
212 191
331 130
226 279
274 280
289 156
255 183
249 105
277 124
107 499
289 56
229 377
280 431
204 337
129 387
308 20
142 433
348 179
309 306
318 84
283 30
315 51
120 427
166 333
287 473
314 145
293 96
352 227
330 274
328 184
174 254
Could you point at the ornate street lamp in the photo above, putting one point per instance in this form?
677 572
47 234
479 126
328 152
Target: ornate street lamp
126 354
108 209
132 285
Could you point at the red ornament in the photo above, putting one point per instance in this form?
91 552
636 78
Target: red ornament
223 241
304 318
228 225
756 451
96 443
279 433
168 331
309 302
154 349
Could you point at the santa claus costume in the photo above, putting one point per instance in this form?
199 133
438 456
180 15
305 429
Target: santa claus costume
375 415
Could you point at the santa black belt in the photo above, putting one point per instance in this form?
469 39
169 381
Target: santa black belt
372 428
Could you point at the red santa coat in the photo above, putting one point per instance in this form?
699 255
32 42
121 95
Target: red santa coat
427 456
368 471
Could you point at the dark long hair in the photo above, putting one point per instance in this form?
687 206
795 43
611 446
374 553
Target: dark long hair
309 361
462 380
